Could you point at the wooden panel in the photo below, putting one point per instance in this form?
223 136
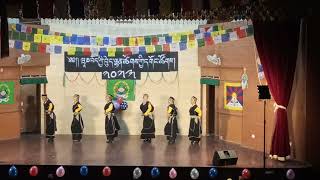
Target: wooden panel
39 70
7 73
231 128
37 59
10 125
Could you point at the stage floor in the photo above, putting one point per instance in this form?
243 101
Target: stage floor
127 151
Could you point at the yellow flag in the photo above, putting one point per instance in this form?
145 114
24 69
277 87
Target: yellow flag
99 40
37 38
220 27
214 33
46 38
132 41
191 44
13 26
69 34
111 52
140 41
57 40
26 46
39 31
176 38
222 32
71 50
150 49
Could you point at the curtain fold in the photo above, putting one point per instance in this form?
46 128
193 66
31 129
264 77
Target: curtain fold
129 7
60 9
30 9
4 30
277 45
45 8
76 8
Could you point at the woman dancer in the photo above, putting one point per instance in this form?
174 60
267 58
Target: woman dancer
171 128
77 123
195 122
147 133
111 122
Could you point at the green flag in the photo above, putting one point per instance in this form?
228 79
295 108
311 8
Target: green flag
200 42
6 92
121 88
147 40
79 51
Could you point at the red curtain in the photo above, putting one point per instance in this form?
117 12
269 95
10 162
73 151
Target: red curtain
277 45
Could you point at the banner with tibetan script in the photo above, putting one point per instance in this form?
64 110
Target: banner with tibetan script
123 66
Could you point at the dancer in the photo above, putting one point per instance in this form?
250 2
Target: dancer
77 123
195 122
50 118
171 128
111 122
147 133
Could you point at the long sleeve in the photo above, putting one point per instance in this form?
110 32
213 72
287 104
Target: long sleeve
198 110
79 108
50 107
109 109
148 110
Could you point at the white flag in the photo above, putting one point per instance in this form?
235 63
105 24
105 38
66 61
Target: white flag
162 40
174 47
233 36
135 50
217 39
11 43
23 28
199 36
50 49
94 51
113 41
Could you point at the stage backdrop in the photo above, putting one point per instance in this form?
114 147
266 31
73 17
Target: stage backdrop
181 84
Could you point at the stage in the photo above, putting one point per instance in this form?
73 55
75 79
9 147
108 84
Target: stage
128 151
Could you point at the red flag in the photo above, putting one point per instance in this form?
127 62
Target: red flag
29 29
42 48
127 51
155 40
241 33
166 48
209 41
119 41
86 51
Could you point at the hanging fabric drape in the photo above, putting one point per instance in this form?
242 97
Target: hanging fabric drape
176 6
30 9
129 7
186 5
76 8
165 7
277 45
45 8
60 9
142 7
104 8
4 30
116 7
154 7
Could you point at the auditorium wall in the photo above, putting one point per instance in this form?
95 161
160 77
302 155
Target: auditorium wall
92 90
